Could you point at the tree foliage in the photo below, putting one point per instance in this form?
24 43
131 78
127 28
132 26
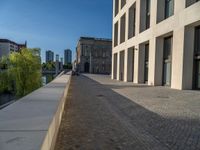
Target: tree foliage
67 66
50 66
23 71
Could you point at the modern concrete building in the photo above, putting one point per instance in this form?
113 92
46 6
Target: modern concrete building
67 56
157 42
8 46
94 55
49 56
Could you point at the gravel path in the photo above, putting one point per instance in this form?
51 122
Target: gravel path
97 117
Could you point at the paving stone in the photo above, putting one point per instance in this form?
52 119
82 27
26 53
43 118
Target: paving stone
118 115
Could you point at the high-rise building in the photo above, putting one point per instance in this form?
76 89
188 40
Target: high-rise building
61 60
49 56
94 55
68 56
157 42
57 58
7 47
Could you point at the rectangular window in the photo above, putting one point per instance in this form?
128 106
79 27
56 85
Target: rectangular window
115 66
197 40
121 66
167 48
167 61
145 12
197 59
116 35
146 70
191 2
169 8
116 7
131 25
130 64
123 3
148 5
123 28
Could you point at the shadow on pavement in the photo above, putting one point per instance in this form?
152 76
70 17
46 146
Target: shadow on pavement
174 133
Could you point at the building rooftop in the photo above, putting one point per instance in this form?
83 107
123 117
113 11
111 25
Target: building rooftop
97 39
9 41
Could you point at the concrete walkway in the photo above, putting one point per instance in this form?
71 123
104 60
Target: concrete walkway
104 114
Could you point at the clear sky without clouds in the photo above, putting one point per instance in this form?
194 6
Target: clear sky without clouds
54 24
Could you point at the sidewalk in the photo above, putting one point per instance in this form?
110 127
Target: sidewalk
105 114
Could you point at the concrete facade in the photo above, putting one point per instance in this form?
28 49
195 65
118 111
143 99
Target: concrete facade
94 55
7 47
157 42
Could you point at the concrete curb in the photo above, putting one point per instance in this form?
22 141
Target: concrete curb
32 123
50 139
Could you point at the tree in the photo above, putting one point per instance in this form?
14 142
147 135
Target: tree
25 68
6 80
3 63
67 66
50 66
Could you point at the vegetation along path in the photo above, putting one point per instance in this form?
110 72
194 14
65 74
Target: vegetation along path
101 114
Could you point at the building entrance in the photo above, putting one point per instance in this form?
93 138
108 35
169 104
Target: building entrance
87 67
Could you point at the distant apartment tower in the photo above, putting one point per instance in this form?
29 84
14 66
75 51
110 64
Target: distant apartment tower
68 56
49 56
61 60
94 55
57 57
8 46
157 42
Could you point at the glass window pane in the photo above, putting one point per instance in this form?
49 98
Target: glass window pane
169 8
197 40
131 27
167 73
123 2
116 7
198 82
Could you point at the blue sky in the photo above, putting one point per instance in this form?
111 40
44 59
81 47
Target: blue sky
54 24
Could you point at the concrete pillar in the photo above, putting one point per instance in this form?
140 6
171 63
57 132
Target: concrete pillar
179 5
177 58
139 64
113 37
136 66
153 15
152 61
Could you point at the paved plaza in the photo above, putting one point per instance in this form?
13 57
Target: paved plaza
104 114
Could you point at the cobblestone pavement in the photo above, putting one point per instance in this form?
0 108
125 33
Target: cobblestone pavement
103 114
